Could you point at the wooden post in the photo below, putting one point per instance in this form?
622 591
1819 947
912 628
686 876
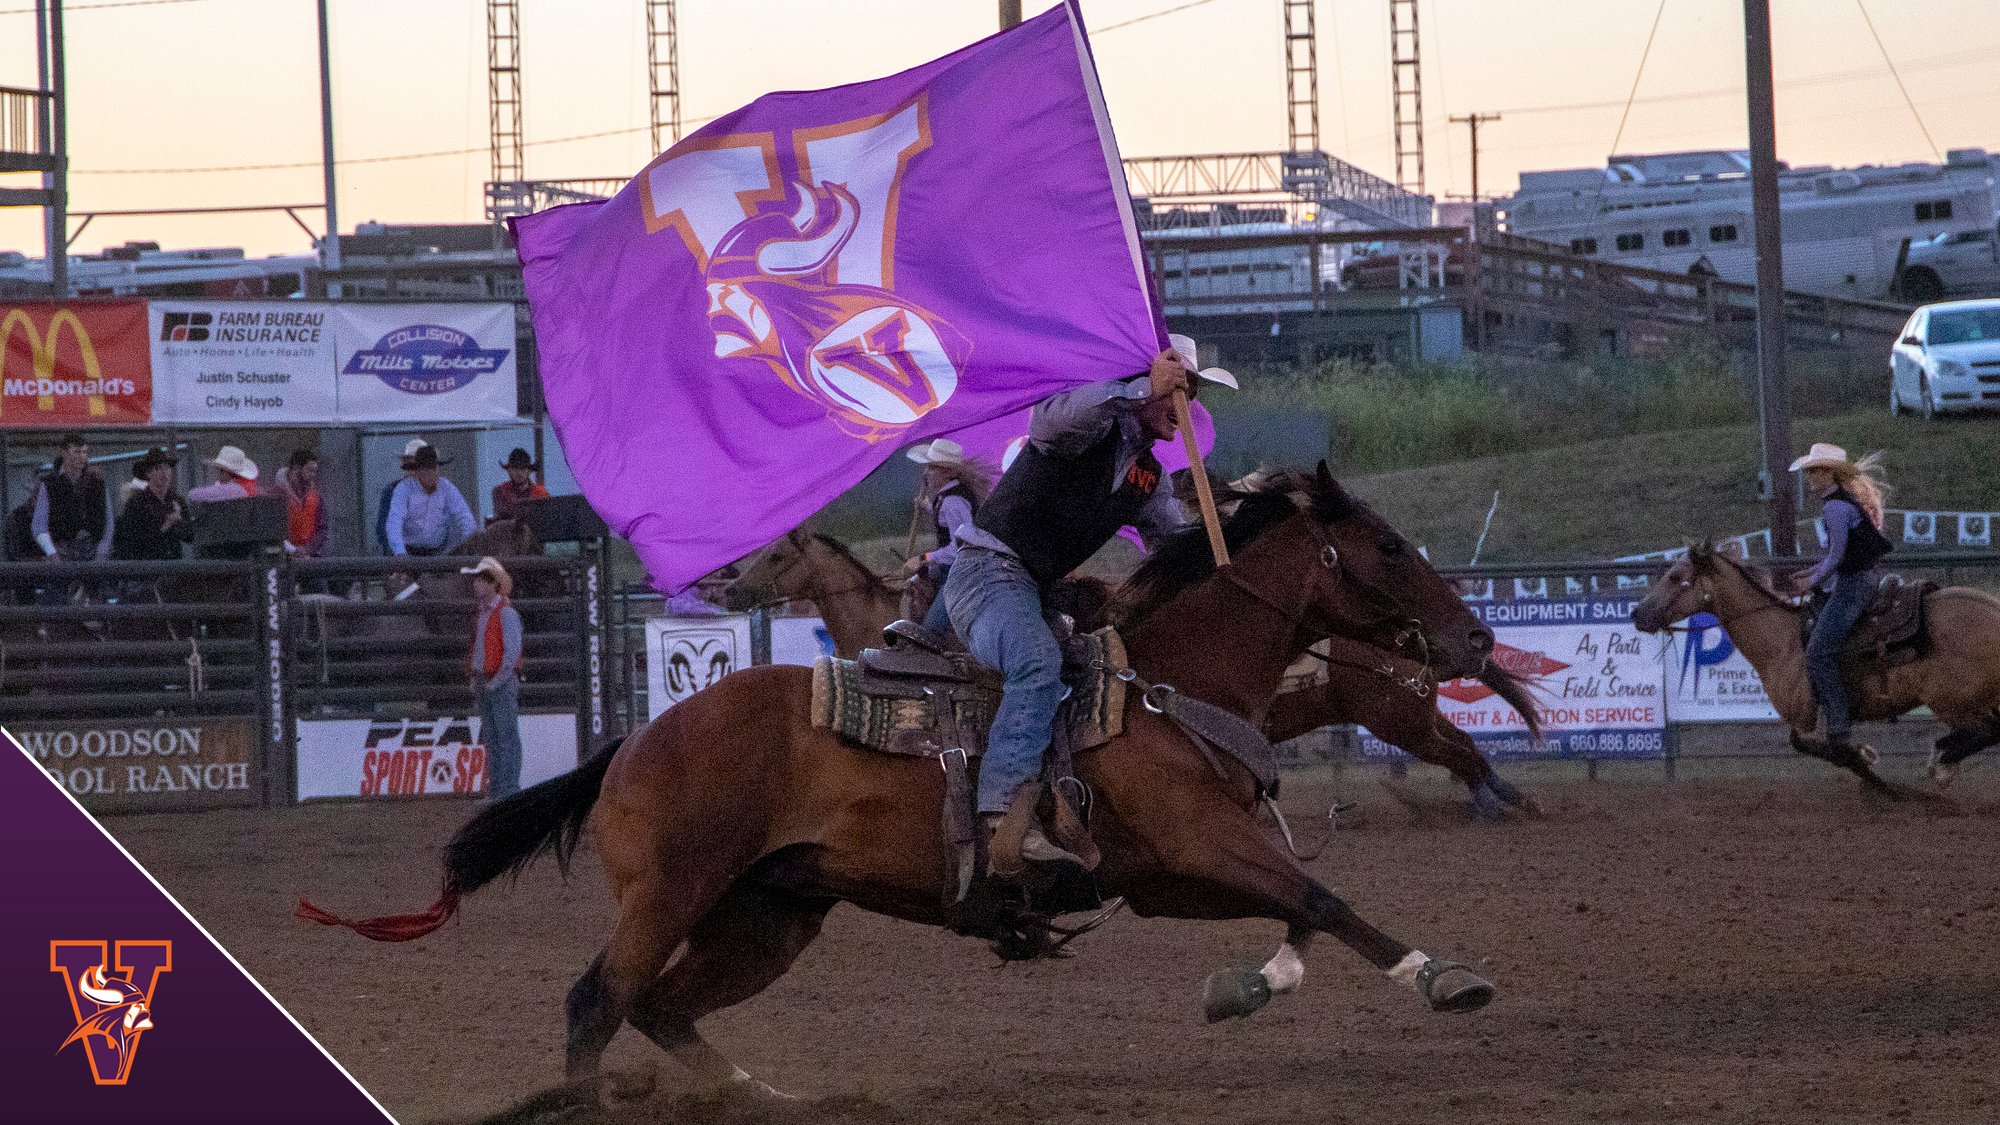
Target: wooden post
1185 417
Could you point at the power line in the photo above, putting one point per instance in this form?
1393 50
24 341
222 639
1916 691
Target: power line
1904 90
1935 62
367 159
1643 56
1150 16
68 8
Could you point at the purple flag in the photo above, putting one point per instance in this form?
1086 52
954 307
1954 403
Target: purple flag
790 294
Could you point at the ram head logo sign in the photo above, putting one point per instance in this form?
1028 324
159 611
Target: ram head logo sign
799 265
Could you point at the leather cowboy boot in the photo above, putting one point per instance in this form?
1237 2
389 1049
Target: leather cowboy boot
1014 840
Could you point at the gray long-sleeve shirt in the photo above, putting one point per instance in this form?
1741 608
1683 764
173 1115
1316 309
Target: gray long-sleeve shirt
1068 423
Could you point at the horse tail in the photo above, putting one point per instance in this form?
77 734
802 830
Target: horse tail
1515 691
505 838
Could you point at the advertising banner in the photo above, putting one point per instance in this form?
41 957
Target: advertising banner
687 654
70 365
148 765
1596 681
422 757
243 363
423 363
1709 680
799 640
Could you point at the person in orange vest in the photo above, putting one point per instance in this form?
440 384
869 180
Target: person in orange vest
495 671
305 519
520 488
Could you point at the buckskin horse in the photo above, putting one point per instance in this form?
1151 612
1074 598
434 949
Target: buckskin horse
854 601
731 825
1958 677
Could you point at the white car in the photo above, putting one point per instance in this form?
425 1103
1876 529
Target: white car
1948 358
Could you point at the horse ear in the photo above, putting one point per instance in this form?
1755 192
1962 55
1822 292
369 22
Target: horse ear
1327 485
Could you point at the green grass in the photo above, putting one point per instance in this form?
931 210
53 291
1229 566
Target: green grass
1649 491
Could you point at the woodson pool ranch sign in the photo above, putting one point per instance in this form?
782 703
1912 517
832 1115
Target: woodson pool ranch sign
149 765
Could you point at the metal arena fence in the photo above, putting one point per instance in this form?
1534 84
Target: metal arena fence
204 683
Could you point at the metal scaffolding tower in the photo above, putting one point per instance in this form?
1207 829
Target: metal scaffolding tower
503 91
663 70
1406 86
1301 67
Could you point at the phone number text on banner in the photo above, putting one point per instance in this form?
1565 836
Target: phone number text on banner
1596 682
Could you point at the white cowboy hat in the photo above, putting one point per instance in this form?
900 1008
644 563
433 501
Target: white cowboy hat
410 448
490 567
943 451
234 460
1821 456
1184 345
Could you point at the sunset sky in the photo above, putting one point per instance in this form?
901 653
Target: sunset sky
172 101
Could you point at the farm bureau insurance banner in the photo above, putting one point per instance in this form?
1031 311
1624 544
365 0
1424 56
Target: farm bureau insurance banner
72 365
799 288
243 363
1595 678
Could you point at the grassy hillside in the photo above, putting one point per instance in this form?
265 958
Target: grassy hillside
1645 492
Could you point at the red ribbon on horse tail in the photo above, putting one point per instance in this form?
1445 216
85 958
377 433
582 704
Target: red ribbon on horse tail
389 927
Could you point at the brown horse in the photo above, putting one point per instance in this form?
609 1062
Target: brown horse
1958 678
854 601
1391 695
729 826
1396 699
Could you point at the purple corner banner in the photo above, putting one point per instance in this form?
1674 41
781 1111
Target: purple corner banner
115 1006
801 287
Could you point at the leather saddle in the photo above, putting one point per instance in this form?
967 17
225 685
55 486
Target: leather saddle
1893 631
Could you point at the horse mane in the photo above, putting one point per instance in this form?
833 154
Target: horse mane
845 553
1185 558
1759 577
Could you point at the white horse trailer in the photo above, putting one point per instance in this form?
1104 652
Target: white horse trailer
1847 231
1198 281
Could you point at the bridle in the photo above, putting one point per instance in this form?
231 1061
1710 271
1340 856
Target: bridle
1387 605
1707 583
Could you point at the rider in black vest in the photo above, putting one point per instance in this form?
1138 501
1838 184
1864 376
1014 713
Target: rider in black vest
1854 546
953 489
1087 470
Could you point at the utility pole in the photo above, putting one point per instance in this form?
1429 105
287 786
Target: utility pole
329 260
1010 13
1473 121
55 182
1773 405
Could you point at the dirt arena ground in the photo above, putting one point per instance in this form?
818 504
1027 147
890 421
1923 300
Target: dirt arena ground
1703 951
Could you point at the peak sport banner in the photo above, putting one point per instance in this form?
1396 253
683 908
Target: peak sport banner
801 287
118 1006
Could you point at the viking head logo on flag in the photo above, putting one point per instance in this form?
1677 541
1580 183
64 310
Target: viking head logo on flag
777 303
111 999
799 280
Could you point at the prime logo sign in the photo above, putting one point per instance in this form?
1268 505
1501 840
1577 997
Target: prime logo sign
111 988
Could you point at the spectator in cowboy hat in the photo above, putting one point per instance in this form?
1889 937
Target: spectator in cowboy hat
427 513
494 670
388 492
520 488
235 477
155 521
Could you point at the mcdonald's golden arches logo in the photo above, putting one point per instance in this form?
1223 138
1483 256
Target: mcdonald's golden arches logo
74 364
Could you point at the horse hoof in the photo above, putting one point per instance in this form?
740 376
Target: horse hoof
1451 987
1234 993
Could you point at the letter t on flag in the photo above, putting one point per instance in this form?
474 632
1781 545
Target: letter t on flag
799 288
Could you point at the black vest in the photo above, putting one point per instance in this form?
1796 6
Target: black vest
1866 545
75 507
951 488
1055 512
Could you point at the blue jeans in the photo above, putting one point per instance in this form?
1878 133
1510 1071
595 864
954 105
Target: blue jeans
937 619
1842 608
500 730
997 609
